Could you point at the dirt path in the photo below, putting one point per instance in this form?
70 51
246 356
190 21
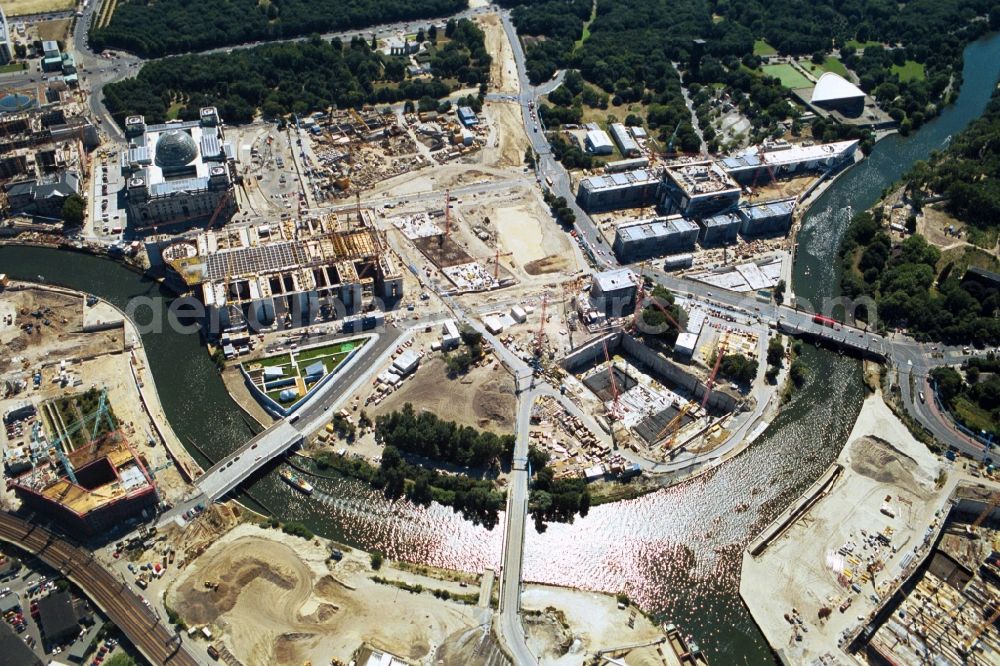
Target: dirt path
507 141
503 70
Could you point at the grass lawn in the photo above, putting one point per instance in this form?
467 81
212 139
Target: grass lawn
985 238
762 48
789 76
860 45
831 64
174 110
963 257
910 70
275 361
586 29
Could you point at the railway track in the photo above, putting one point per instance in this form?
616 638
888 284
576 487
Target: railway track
143 628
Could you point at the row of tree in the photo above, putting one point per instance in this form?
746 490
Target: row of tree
426 435
552 499
166 27
293 77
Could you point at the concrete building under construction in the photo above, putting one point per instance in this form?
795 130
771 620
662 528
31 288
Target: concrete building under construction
94 487
284 274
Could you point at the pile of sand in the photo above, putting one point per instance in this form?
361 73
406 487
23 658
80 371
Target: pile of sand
878 460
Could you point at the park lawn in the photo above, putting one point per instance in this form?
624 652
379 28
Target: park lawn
860 45
22 7
12 67
174 110
789 76
762 48
962 257
586 29
274 361
910 70
831 64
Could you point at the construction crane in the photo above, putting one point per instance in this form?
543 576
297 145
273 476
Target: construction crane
673 426
970 644
615 411
991 504
100 414
720 351
223 201
673 137
496 264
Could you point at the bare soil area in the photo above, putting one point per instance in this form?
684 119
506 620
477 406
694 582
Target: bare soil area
21 7
279 601
507 140
483 398
503 70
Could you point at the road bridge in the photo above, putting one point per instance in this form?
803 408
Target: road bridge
227 474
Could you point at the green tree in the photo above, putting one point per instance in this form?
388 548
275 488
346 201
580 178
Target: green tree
376 560
73 210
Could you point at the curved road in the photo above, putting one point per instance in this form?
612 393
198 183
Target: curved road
155 641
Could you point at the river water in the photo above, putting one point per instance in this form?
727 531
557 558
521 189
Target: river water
677 552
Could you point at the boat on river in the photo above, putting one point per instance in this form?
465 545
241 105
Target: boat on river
296 481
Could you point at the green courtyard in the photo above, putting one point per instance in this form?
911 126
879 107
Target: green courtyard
293 365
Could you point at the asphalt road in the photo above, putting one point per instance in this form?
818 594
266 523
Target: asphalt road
232 470
154 640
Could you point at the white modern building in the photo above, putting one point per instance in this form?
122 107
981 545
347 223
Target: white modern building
6 47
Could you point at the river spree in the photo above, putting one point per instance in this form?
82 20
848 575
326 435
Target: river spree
677 552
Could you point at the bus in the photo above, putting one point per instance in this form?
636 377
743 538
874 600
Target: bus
827 321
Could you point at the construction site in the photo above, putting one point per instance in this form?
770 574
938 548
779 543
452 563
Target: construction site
88 453
284 274
349 151
950 607
83 472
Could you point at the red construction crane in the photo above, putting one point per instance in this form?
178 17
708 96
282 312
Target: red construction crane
218 209
720 351
496 264
615 411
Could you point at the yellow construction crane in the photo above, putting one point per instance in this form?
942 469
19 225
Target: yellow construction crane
991 504
673 427
981 627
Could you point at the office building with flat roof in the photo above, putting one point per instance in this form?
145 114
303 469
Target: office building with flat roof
614 292
720 229
656 237
698 189
6 48
629 189
783 159
770 218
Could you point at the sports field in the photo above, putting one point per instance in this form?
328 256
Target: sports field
788 75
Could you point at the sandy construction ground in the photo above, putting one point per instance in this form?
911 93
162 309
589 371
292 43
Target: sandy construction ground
805 567
503 70
280 602
22 7
526 229
483 398
57 30
582 624
506 141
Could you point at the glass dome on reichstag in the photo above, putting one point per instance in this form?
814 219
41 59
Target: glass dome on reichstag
175 148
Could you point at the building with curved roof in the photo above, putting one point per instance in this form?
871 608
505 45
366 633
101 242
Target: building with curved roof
179 172
835 93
